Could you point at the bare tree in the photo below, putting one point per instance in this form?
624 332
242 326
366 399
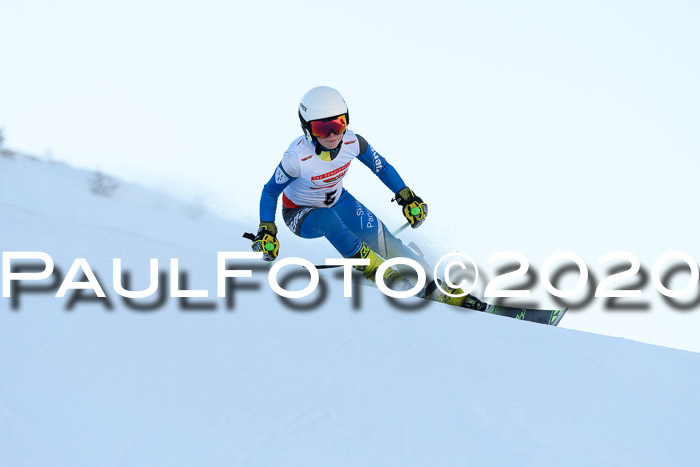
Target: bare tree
103 185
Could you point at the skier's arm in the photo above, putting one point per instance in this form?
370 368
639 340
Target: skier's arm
412 206
270 192
266 239
285 173
381 168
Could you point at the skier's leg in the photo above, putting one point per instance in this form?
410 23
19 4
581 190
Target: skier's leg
308 222
368 227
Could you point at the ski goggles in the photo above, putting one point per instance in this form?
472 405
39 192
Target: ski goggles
324 128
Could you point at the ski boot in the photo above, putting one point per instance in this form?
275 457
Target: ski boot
466 301
391 277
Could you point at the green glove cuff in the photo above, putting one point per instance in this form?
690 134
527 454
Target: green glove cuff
269 227
405 194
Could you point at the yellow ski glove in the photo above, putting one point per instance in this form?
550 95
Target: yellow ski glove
266 241
414 209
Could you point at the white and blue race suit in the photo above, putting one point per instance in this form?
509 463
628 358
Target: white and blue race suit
315 204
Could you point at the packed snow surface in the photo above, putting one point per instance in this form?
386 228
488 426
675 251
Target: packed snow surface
253 380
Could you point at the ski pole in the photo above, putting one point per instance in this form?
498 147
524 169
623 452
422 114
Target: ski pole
251 237
414 211
400 229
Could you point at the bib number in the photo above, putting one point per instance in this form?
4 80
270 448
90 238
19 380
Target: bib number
330 197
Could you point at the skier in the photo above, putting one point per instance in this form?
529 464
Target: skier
315 204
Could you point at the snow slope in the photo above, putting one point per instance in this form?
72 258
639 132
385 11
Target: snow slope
342 382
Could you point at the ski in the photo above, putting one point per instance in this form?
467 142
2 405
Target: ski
431 292
534 315
550 317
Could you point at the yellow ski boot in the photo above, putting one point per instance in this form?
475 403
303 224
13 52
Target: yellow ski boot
391 276
432 292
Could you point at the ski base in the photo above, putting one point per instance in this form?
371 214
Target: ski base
550 317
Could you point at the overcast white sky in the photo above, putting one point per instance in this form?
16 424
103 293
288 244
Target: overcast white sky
533 126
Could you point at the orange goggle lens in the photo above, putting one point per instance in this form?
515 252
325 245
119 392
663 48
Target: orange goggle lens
323 128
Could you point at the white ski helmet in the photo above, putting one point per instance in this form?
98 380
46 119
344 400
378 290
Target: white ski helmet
320 103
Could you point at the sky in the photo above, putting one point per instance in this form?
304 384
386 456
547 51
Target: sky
532 127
